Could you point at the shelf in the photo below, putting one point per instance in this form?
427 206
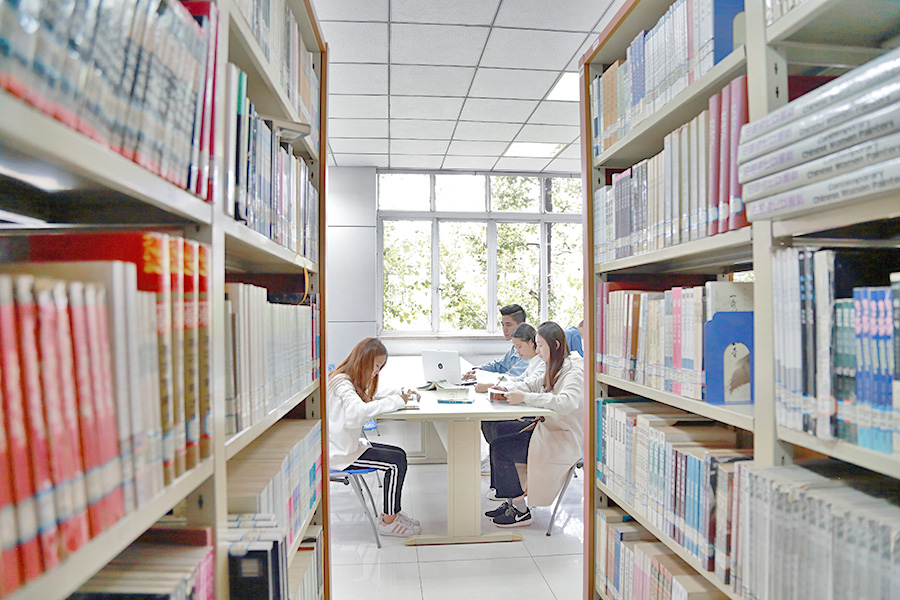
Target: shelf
646 139
306 523
713 252
243 438
78 180
887 464
634 16
93 556
740 416
865 23
250 251
670 543
874 208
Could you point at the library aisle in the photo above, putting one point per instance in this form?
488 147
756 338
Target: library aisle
538 568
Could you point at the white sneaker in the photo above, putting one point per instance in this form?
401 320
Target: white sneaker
408 519
486 466
399 528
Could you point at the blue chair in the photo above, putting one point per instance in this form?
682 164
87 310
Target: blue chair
562 492
354 478
371 425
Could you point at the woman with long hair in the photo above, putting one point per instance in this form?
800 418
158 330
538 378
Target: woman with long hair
352 400
548 446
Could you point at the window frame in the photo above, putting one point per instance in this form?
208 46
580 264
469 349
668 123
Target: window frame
543 218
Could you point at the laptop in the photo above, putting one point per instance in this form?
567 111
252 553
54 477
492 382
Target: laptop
440 365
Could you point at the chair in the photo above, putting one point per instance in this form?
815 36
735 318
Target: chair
354 478
562 492
369 426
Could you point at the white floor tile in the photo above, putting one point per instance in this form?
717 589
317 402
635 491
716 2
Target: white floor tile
376 582
563 574
498 579
490 551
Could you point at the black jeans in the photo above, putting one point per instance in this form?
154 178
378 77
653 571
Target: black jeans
509 445
391 460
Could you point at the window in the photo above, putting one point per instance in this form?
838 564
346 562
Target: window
456 248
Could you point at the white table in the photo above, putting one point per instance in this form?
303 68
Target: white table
464 462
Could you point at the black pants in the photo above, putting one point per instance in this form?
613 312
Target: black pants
391 460
492 429
508 447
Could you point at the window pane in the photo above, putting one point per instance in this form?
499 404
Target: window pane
564 294
516 193
463 284
519 268
407 275
404 191
566 195
459 192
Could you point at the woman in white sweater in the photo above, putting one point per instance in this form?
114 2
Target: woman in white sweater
352 400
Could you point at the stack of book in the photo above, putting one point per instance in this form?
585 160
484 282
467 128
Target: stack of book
688 191
835 352
268 187
834 145
307 573
830 532
271 353
136 78
686 42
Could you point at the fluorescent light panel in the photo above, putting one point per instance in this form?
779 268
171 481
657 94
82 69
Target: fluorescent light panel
533 149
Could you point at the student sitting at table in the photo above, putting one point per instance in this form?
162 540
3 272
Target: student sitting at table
351 402
573 338
548 446
511 364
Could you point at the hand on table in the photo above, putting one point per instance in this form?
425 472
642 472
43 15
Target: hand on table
481 388
515 397
469 376
410 394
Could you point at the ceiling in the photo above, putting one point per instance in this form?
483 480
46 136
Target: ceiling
456 84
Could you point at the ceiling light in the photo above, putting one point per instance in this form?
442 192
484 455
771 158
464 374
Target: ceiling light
533 149
566 88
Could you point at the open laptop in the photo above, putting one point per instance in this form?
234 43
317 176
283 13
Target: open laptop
441 364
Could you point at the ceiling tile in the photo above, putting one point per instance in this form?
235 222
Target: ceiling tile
573 151
480 163
512 83
521 164
356 42
556 113
417 129
358 107
416 162
412 107
564 165
359 145
501 111
495 132
361 160
352 78
414 80
460 12
352 10
463 148
357 128
517 48
573 64
572 15
558 134
419 147
437 45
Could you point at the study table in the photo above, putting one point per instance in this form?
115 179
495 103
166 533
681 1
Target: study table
464 461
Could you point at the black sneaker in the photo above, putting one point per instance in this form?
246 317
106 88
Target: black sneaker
513 518
497 511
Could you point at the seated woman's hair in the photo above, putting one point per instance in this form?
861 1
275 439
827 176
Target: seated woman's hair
555 337
359 364
525 332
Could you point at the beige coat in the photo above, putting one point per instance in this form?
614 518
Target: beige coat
558 441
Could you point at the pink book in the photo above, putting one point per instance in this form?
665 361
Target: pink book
724 158
739 116
191 349
715 113
205 389
676 340
176 255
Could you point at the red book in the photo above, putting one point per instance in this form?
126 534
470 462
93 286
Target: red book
715 113
38 444
176 255
724 159
739 115
149 251
203 338
191 350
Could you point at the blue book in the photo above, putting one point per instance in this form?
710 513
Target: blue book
728 352
721 44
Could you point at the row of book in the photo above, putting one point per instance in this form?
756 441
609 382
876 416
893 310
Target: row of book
688 191
135 77
306 573
268 188
166 563
271 352
834 145
838 329
273 486
631 564
694 341
686 42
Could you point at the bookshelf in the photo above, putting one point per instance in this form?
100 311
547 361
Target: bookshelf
51 172
832 34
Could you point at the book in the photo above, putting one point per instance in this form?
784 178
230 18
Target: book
191 352
715 139
725 159
739 114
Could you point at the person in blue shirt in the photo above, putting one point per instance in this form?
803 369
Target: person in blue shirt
511 363
573 338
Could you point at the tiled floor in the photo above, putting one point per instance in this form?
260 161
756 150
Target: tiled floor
538 568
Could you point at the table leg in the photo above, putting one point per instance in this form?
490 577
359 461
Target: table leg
433 452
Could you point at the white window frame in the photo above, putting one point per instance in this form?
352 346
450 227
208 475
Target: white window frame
543 218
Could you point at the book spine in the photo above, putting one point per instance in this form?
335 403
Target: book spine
203 351
895 375
712 189
725 160
739 115
176 257
191 352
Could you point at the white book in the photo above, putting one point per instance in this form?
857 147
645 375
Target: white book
823 263
684 178
694 167
232 76
702 164
149 377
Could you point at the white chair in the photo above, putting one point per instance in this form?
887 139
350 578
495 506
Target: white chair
354 478
562 492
